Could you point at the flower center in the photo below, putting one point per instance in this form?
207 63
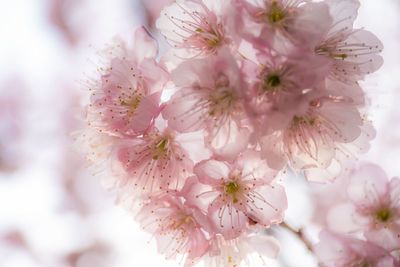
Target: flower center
271 82
161 148
132 103
212 38
276 13
222 100
231 188
184 220
383 215
301 120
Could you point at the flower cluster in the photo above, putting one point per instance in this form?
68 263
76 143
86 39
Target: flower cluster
336 250
363 228
200 136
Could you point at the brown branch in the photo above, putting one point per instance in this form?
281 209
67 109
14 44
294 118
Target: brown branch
300 235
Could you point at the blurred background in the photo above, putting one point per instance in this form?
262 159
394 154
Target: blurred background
53 211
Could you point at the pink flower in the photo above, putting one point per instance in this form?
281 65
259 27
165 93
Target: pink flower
196 27
327 129
341 251
252 87
126 101
327 195
284 24
353 52
248 249
153 162
233 194
277 84
373 207
208 98
153 9
177 227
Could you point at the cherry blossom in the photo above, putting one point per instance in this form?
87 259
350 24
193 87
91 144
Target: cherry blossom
234 193
353 52
325 130
284 24
126 100
153 9
208 98
341 251
249 91
176 227
246 249
327 195
196 27
153 162
372 207
276 85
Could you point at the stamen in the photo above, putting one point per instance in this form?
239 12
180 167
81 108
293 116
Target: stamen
383 214
198 32
276 13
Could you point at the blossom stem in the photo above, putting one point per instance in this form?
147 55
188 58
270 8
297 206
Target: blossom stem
300 235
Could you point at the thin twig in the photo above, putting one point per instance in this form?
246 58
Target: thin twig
300 235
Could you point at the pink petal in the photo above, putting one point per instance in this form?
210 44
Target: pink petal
153 75
180 113
387 238
145 45
346 118
251 163
147 110
211 172
343 13
228 220
395 192
269 205
312 22
265 245
197 194
271 150
324 175
198 244
341 218
230 141
368 62
368 184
